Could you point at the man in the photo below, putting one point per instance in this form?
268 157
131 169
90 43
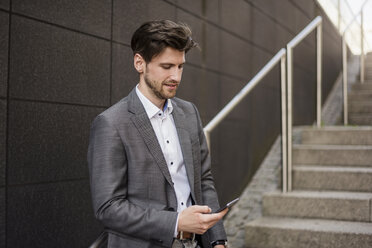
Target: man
149 164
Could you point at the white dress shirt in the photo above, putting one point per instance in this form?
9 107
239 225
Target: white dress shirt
163 124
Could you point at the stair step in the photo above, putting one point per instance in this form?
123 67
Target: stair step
337 135
367 85
360 107
332 178
270 232
350 206
362 95
360 118
353 155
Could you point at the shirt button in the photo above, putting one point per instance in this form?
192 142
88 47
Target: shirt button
182 203
171 163
168 141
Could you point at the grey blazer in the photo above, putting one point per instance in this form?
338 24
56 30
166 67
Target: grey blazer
132 190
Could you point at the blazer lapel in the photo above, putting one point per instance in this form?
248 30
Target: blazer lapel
185 142
143 124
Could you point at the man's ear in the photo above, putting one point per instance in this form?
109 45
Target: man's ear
139 63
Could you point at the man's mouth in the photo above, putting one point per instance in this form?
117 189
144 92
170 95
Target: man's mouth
171 86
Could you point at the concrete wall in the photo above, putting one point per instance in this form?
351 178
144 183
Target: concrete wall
63 63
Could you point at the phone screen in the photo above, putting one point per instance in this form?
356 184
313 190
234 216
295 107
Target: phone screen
228 205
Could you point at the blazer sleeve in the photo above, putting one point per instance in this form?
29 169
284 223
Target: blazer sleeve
108 179
209 194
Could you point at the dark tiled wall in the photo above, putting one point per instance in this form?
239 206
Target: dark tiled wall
63 63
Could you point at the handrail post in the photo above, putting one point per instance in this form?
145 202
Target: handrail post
289 116
362 46
339 15
344 78
208 138
284 122
319 74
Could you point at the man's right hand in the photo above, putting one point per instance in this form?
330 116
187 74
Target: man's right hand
198 219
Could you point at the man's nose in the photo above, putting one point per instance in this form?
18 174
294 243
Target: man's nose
176 75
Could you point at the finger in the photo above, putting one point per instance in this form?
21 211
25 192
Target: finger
224 211
213 217
202 209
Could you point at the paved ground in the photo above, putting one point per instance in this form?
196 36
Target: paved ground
268 176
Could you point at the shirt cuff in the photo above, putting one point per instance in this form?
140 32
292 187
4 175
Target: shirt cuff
175 229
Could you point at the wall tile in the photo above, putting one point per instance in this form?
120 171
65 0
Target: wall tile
308 7
3 116
89 16
53 141
266 38
237 17
198 27
201 87
211 47
2 217
4 37
53 64
4 4
194 6
235 56
206 9
51 215
282 11
124 76
125 24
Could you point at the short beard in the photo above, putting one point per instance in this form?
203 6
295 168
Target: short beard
152 86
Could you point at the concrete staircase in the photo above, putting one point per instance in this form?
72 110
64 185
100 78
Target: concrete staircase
331 201
331 204
360 98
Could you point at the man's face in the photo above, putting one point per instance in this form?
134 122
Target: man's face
162 75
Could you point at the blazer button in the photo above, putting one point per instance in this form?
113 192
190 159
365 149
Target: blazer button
171 209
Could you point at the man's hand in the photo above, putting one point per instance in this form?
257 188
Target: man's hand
197 219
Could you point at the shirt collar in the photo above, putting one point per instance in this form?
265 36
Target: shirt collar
150 108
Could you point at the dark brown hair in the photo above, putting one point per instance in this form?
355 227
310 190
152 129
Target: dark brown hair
151 38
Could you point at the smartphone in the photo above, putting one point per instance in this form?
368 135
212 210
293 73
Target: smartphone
228 205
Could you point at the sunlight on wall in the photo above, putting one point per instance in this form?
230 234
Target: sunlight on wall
348 9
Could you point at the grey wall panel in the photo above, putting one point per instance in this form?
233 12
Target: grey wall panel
4 4
51 215
211 47
202 88
206 9
261 58
89 16
264 37
3 119
304 54
237 17
306 6
53 141
198 33
229 88
2 217
278 11
235 56
304 97
4 37
128 15
197 7
124 76
236 158
53 64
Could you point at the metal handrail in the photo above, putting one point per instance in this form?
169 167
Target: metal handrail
316 23
280 56
344 59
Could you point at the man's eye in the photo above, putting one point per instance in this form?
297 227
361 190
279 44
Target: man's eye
166 67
